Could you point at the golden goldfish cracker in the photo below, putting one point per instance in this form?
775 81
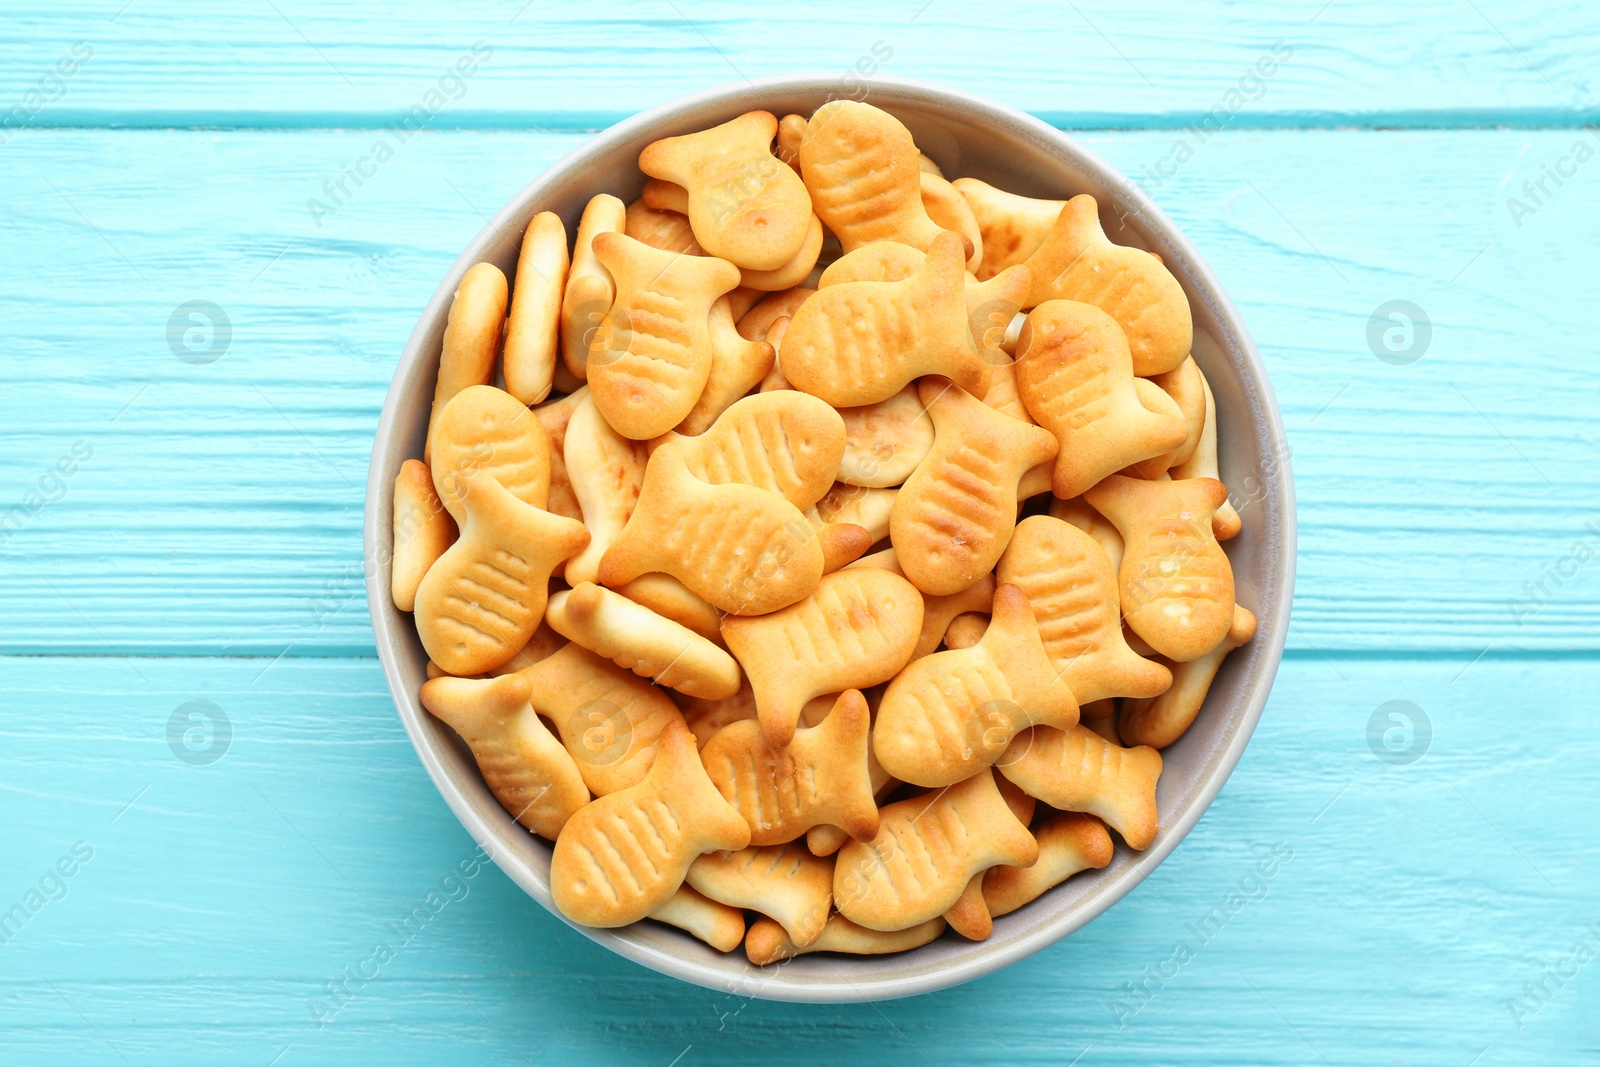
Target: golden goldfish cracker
661 195
787 443
481 601
650 358
658 219
955 514
1017 799
1202 463
667 230
1069 842
609 719
858 343
842 544
991 305
856 629
926 851
526 769
471 339
1077 261
869 509
606 472
544 643
624 855
670 598
792 273
421 532
817 709
534 326
1188 390
791 131
950 211
1078 512
826 839
754 324
928 166
707 717
1076 379
775 380
884 442
1161 720
737 367
1012 227
742 299
1175 582
1002 394
1073 590
1078 770
992 308
492 432
861 168
634 637
783 882
969 915
717 925
1035 482
745 205
965 630
589 292
938 612
892 261
820 777
554 417
950 715
881 261
1157 401
584 304
767 943
1105 727
741 549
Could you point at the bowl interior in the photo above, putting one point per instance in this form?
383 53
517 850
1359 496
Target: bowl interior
966 136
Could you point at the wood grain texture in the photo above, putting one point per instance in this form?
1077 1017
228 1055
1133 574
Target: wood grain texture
296 62
1417 900
225 499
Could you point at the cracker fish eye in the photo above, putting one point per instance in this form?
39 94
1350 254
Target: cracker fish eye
744 205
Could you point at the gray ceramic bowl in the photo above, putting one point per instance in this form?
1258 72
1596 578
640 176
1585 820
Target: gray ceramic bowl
966 136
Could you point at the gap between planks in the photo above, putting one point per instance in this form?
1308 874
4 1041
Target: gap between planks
1403 121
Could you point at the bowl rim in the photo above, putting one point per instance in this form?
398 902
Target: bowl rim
769 983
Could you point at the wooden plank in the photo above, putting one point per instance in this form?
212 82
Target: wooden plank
221 510
220 900
297 63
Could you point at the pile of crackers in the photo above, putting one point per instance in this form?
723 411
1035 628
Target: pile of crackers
817 550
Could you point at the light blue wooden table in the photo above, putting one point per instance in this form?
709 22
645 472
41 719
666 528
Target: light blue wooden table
189 513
